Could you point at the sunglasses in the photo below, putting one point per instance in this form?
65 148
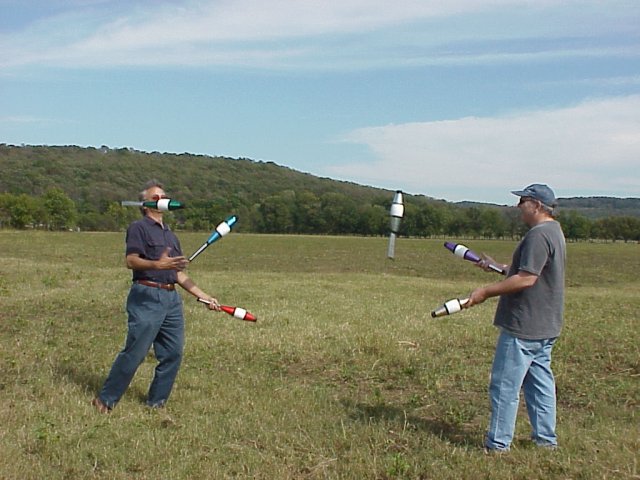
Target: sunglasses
525 200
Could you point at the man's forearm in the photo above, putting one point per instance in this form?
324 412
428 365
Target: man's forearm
185 282
513 284
135 262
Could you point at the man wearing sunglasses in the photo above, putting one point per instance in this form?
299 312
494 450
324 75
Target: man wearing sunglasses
154 307
530 318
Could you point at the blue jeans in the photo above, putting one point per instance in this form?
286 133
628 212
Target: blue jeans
155 318
526 364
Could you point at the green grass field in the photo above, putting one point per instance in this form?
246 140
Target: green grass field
345 374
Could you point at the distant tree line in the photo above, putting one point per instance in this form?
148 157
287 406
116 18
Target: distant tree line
305 212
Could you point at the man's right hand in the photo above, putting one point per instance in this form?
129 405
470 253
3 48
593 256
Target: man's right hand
479 295
486 261
165 262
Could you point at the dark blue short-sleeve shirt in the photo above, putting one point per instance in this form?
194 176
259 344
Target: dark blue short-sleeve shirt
149 239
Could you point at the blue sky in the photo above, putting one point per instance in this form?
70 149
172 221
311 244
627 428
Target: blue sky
456 99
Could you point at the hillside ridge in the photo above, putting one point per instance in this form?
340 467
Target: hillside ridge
97 175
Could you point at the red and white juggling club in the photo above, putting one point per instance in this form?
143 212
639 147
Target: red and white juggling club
236 312
461 251
450 306
221 230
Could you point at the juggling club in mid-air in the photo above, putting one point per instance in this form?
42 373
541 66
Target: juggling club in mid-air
235 312
461 251
450 306
396 213
221 230
163 204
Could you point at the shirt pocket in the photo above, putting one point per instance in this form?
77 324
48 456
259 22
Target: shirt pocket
154 249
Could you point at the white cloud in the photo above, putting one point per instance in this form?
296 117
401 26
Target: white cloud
590 147
280 33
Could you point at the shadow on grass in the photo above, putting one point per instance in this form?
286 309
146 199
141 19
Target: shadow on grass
454 433
90 381
79 375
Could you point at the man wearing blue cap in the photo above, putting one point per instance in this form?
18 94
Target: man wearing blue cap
530 318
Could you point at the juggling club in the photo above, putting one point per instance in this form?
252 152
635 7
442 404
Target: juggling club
235 312
450 306
396 212
220 231
164 204
461 251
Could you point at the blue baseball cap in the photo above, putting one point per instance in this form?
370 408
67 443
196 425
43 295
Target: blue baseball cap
540 192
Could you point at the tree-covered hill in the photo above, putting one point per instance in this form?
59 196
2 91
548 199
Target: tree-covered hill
602 207
95 176
71 186
99 175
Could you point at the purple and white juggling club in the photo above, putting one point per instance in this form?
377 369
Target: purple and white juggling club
466 253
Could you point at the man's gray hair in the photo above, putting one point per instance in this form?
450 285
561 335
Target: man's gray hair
548 209
149 184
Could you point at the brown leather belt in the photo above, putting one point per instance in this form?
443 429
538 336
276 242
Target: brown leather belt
149 283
